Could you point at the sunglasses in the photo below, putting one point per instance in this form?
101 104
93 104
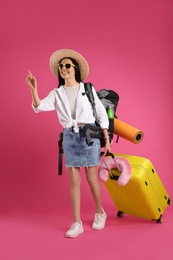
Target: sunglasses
66 65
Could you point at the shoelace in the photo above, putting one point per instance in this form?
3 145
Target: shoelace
98 218
74 226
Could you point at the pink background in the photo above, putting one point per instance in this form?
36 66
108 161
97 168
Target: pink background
128 45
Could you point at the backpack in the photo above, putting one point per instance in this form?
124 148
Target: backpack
108 98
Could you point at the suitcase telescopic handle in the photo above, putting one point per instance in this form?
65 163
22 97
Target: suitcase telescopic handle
108 154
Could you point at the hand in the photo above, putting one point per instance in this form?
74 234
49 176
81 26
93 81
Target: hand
107 148
31 81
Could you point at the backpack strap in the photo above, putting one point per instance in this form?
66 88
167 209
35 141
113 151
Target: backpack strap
61 151
89 93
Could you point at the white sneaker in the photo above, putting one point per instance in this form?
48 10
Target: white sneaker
99 220
75 229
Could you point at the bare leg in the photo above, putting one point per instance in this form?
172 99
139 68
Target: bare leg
75 180
91 176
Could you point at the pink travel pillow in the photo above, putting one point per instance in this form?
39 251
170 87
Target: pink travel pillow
119 163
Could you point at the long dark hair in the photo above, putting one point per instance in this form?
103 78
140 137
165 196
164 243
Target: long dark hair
77 72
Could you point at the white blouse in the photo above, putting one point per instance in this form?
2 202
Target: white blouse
57 100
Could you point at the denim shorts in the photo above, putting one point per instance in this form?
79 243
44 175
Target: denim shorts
76 151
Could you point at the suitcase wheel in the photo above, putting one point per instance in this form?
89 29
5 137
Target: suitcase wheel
169 201
120 214
159 220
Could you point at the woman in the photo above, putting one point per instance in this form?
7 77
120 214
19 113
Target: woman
74 111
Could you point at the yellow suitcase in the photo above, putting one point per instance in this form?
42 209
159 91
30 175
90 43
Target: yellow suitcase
144 195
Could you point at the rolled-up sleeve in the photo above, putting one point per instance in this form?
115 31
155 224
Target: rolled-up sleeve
46 104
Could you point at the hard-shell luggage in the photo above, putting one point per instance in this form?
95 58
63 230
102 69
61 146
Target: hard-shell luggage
144 195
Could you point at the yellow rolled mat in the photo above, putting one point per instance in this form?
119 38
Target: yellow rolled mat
127 131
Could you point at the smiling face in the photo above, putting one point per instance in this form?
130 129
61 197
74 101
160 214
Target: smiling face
65 71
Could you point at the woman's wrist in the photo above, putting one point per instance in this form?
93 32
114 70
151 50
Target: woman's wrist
107 140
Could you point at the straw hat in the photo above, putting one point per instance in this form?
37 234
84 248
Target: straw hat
60 54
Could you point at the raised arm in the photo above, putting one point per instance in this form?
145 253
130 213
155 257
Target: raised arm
32 83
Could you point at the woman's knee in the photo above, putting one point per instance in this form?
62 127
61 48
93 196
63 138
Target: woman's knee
91 175
74 174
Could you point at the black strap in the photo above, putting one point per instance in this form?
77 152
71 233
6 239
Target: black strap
108 154
89 93
61 151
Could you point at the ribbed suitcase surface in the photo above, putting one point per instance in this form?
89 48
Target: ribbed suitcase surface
144 195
